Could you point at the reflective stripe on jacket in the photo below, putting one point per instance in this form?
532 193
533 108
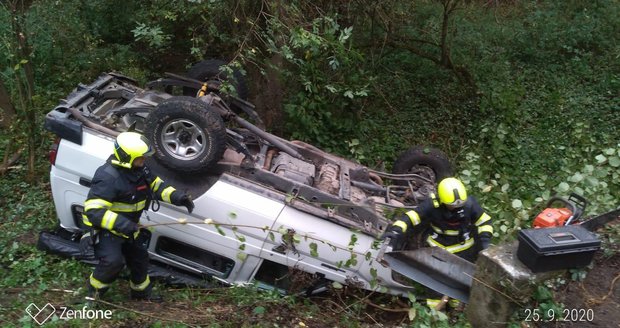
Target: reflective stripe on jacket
118 196
452 230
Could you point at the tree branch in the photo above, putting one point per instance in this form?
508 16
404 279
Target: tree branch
236 226
367 301
9 160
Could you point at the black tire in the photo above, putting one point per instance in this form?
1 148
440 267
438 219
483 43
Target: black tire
429 162
189 122
209 70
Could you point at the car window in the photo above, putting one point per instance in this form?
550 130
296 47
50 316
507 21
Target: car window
273 275
195 257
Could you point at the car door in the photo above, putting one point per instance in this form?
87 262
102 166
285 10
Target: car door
241 222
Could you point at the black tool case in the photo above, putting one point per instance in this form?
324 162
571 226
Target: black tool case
549 249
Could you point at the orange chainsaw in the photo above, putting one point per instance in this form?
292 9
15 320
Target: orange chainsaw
570 211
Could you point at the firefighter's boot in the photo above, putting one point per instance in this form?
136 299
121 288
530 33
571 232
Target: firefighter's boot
96 289
145 294
94 294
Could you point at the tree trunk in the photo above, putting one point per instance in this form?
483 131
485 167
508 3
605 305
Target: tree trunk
7 110
24 78
273 102
445 47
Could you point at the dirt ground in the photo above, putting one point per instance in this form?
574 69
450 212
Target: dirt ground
598 295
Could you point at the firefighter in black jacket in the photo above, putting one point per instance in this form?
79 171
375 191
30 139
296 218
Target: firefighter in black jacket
457 222
121 189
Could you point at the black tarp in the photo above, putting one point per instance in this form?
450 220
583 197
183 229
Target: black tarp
66 244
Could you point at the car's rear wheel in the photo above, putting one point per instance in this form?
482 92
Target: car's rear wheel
430 163
209 71
188 136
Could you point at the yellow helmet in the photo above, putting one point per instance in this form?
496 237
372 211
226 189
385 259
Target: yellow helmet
452 192
129 146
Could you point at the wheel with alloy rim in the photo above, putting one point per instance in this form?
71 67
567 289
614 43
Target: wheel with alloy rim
188 136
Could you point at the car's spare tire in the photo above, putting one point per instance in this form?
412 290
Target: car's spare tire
428 162
209 71
188 135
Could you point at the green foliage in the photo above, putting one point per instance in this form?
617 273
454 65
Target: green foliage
548 120
421 316
328 83
543 307
185 30
153 36
578 274
26 209
511 200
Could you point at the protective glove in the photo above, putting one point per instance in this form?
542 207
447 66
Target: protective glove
126 226
87 243
142 237
395 234
485 243
184 200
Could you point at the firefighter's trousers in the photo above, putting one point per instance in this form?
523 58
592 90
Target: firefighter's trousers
113 252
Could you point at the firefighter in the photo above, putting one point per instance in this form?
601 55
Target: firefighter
120 190
456 223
